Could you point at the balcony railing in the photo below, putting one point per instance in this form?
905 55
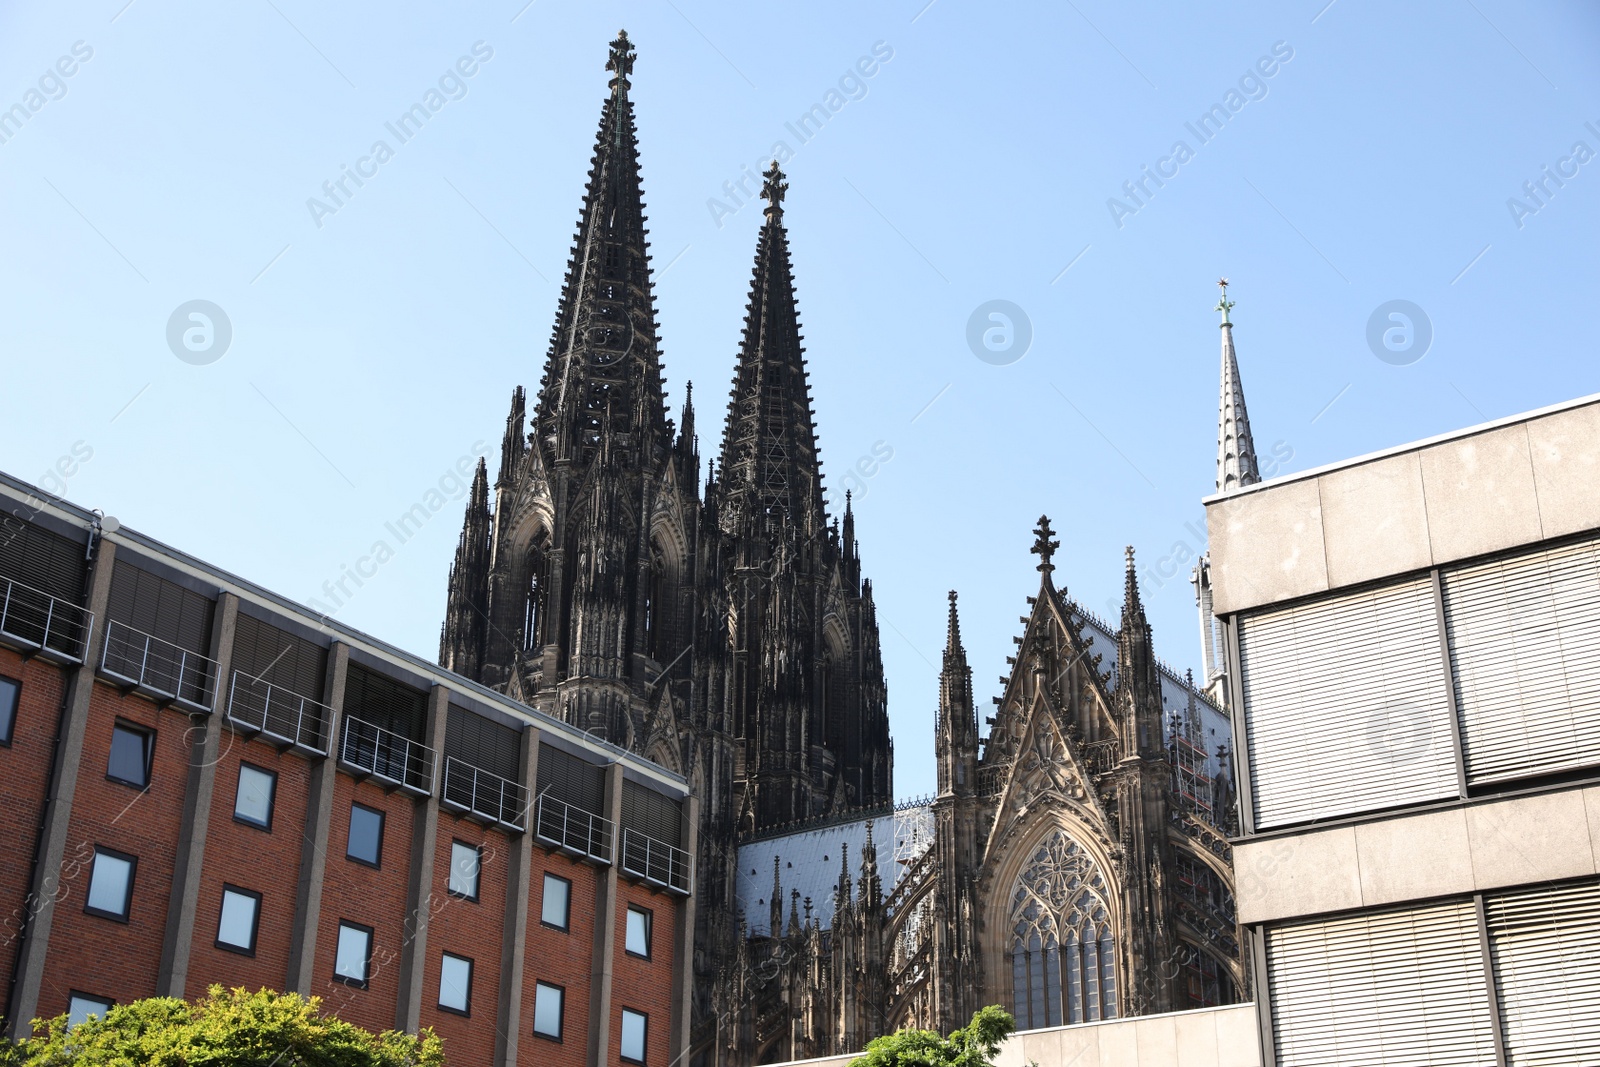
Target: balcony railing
655 861
159 668
1103 756
479 792
388 756
41 623
574 829
290 719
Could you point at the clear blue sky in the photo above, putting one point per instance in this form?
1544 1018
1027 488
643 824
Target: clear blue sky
370 354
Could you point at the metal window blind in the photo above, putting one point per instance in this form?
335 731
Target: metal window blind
486 745
1525 645
572 780
647 812
42 559
1398 988
1546 950
385 703
1345 705
160 608
279 658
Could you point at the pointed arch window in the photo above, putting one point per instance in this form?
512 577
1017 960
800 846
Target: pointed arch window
1061 952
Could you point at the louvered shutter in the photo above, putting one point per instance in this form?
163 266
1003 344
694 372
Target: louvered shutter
42 559
1398 988
482 743
648 812
161 608
1345 705
383 702
279 658
571 779
1525 645
1546 949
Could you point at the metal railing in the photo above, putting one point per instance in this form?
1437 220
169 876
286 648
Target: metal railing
273 712
655 861
574 829
484 793
387 755
42 623
158 667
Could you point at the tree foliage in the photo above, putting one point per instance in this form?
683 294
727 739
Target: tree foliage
974 1045
232 1028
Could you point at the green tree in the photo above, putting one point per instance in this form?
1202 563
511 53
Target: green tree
232 1028
974 1045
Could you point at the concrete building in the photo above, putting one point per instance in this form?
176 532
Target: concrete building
1412 647
204 782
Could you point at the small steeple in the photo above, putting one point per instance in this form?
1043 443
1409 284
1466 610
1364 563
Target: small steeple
620 62
1138 673
1236 450
775 905
841 893
952 633
463 636
515 443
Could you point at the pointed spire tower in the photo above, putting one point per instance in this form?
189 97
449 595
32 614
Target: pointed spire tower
956 729
461 639
771 469
603 390
1138 674
1236 450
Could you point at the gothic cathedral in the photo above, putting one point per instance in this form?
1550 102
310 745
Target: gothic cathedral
1074 864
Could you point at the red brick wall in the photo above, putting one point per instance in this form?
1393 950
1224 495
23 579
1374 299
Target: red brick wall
24 775
640 984
251 858
375 898
564 959
93 954
474 929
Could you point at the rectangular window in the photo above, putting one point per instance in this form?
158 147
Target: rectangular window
354 956
130 755
366 835
80 1006
1345 705
241 914
635 1025
1404 986
548 1001
252 803
455 984
10 695
555 909
1545 946
111 884
637 941
465 864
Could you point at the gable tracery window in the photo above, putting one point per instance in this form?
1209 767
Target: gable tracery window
1061 952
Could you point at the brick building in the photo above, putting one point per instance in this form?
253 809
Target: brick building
208 783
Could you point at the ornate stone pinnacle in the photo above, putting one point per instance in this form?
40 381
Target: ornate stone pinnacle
1043 546
773 188
621 60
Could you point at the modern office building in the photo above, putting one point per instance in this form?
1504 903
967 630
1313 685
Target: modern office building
204 782
1412 642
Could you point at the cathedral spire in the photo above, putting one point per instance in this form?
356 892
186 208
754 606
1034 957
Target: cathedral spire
1236 450
955 739
771 469
462 637
602 390
775 905
515 443
1044 546
1138 673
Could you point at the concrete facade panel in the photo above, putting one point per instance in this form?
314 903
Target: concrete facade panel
1565 448
1480 494
1309 873
1266 547
1374 520
1530 839
1157 1038
1408 859
1196 1040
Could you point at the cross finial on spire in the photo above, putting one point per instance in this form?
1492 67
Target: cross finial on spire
773 188
621 60
1224 305
1043 546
